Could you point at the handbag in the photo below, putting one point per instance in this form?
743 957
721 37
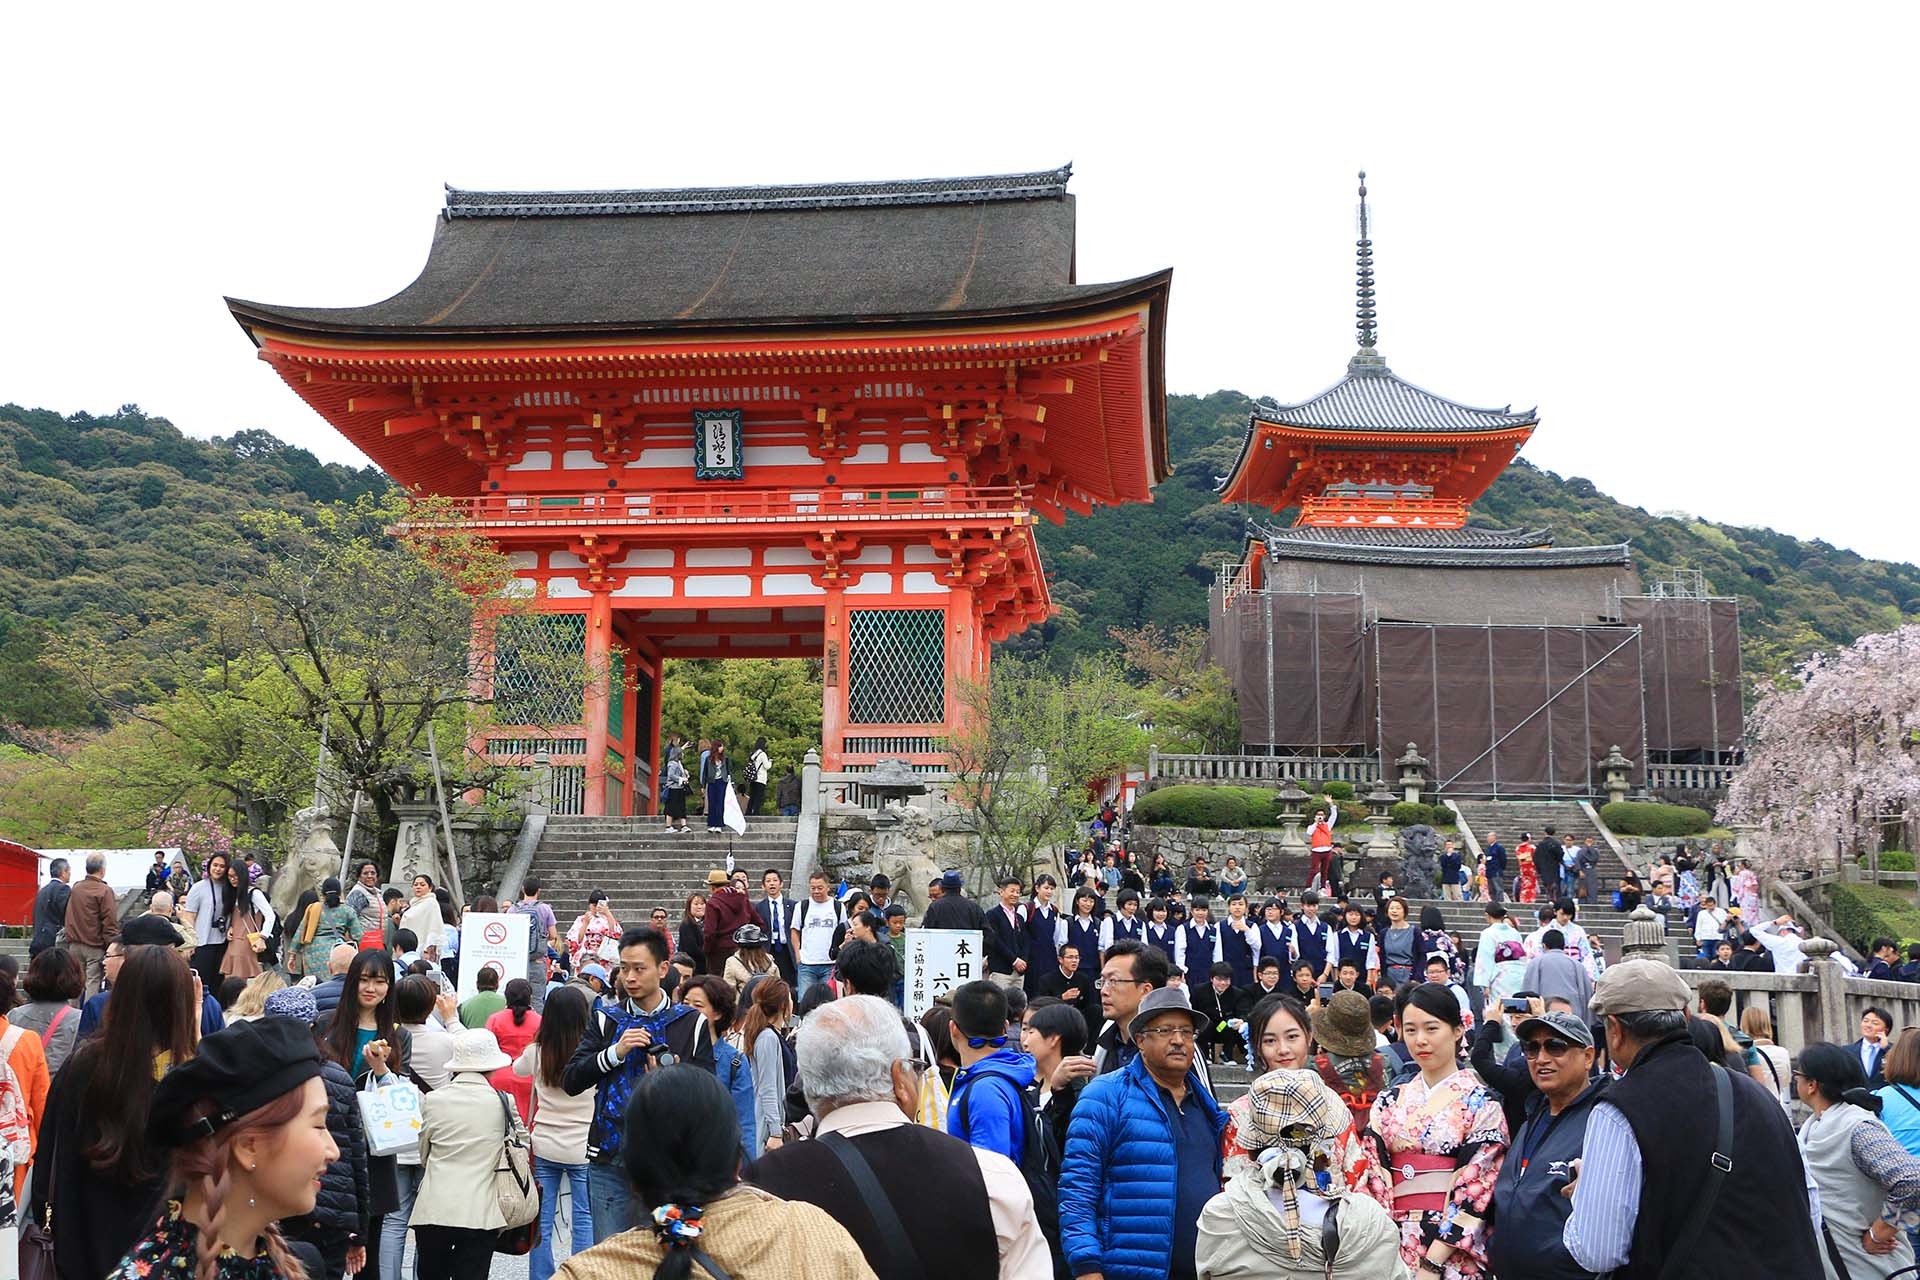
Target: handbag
513 1187
391 1118
36 1234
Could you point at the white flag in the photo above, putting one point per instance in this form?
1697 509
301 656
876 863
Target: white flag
734 818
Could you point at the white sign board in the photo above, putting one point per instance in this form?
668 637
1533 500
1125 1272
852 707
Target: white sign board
497 942
938 960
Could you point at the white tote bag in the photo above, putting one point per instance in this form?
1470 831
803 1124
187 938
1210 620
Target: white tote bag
391 1117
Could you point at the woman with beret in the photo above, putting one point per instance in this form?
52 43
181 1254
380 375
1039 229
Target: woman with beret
243 1126
98 1174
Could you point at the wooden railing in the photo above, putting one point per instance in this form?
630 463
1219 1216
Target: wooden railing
839 504
1254 769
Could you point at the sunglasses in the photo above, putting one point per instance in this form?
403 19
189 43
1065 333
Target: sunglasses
1554 1045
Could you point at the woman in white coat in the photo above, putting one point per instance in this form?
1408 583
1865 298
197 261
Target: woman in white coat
464 1126
423 916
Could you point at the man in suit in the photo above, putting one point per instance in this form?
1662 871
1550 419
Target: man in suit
50 906
1071 985
1007 943
1876 1029
1548 856
776 917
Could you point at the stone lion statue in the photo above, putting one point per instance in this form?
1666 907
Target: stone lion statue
312 859
1419 860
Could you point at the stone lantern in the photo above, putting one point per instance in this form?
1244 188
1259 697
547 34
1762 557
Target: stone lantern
889 784
1616 766
1644 936
1380 801
1413 767
1291 800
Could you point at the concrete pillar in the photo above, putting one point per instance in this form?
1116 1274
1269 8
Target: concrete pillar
596 702
806 843
1835 1023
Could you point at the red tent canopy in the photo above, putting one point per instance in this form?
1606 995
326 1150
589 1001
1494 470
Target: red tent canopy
19 881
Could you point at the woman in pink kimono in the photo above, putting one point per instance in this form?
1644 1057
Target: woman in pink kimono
1746 890
1438 1142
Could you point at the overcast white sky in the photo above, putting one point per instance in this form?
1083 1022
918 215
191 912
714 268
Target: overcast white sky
1684 231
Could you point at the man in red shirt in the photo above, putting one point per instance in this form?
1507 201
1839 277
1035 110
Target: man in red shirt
1320 843
728 907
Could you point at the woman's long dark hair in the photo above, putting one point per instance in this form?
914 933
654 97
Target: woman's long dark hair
1273 1003
449 914
562 1024
682 1147
151 1013
519 997
223 887
343 1032
330 890
1836 1071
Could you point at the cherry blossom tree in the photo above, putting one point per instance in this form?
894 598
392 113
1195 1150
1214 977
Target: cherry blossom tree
1834 756
198 835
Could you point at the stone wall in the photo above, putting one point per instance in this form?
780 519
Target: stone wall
1267 865
907 844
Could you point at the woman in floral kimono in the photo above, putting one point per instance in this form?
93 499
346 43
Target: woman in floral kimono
1527 887
1438 1143
1746 891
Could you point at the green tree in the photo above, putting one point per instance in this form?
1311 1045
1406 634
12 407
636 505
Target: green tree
1032 748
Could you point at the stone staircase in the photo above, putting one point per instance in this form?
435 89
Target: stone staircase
1512 817
641 867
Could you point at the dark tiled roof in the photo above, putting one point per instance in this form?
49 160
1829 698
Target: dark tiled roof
824 195
1284 547
587 262
1391 536
1372 398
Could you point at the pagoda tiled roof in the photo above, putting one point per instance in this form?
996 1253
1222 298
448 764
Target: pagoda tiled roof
1283 545
1467 537
594 262
1372 398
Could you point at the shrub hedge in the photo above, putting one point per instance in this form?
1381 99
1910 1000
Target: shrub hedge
1340 792
1642 818
1410 813
1187 805
1863 912
1890 860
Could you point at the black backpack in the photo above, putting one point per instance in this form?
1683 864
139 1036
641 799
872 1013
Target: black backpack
1039 1162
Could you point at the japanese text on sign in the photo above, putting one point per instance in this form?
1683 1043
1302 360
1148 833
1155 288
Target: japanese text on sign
938 960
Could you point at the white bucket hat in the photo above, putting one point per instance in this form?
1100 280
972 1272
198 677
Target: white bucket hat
476 1051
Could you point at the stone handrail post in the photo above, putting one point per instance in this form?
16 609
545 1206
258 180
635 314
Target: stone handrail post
806 840
1832 994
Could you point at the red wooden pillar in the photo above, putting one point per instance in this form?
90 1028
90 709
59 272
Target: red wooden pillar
630 724
962 647
656 680
833 709
599 649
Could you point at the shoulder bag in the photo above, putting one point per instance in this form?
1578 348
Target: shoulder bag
513 1186
903 1258
1680 1261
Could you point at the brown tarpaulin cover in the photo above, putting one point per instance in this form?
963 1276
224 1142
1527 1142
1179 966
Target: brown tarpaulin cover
1314 646
1529 708
1693 671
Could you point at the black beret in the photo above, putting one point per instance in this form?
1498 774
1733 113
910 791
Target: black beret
241 1069
149 930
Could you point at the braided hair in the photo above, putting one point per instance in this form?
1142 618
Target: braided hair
205 1165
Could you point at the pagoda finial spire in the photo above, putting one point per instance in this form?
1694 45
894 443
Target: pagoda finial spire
1368 357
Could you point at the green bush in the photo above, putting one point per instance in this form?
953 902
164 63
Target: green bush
1641 818
1217 808
1338 791
1408 813
1863 912
1890 860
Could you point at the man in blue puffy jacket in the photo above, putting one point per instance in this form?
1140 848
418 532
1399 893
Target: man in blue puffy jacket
988 1107
1143 1154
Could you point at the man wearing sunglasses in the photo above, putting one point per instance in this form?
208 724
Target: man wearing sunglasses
1529 1209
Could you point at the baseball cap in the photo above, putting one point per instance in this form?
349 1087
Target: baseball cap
1640 986
1561 1023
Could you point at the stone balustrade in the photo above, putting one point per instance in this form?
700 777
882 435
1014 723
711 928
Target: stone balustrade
1274 770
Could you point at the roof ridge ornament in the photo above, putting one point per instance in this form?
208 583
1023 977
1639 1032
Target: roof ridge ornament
1368 359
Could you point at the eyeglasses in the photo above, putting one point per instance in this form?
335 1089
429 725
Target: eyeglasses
1173 1035
1554 1045
1102 982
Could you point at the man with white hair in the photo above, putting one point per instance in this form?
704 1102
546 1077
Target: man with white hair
920 1203
93 922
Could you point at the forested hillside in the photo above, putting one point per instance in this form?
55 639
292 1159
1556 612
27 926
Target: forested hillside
1154 563
123 518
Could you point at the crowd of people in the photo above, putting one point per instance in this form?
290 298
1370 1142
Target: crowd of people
738 1092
